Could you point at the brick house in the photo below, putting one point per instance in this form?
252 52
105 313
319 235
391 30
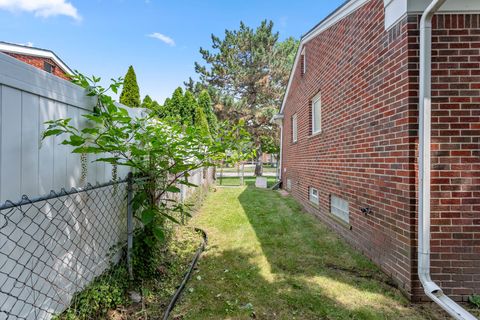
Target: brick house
350 136
45 60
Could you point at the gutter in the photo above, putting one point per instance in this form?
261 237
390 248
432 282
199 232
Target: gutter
432 290
278 119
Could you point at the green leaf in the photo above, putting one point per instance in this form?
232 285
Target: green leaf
147 216
169 217
52 132
158 233
173 189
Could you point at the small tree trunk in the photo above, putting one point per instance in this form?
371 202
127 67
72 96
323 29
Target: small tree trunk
259 163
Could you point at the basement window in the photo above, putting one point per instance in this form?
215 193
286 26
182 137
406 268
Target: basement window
313 195
294 128
339 208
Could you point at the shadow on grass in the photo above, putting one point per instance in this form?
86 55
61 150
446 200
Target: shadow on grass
267 259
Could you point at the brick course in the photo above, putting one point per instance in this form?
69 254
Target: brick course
366 152
38 62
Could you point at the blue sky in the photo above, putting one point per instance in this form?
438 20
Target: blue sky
159 38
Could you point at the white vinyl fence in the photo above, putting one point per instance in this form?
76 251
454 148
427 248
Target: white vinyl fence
28 98
52 248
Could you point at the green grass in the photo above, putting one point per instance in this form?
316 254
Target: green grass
247 169
249 181
267 259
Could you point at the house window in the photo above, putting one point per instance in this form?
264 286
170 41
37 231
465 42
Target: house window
303 62
313 195
316 114
48 67
339 208
294 128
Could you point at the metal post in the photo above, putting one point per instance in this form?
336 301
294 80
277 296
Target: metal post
129 224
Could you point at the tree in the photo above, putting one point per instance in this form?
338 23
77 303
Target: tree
200 122
250 69
147 102
130 95
206 104
161 153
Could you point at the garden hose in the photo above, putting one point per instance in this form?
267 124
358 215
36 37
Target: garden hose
188 274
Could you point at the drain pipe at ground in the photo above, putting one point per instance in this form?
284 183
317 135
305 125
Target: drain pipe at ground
432 290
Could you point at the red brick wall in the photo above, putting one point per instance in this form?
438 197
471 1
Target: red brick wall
455 216
366 153
38 63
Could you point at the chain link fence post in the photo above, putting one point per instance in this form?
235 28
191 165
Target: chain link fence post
129 224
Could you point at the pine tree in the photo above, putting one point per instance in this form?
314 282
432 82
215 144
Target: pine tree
205 103
147 102
200 121
130 95
189 108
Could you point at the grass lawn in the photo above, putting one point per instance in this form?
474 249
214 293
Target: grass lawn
247 169
267 259
249 181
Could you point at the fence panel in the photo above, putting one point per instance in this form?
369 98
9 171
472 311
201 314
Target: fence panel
52 247
28 98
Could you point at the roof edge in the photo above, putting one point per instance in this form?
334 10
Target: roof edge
32 51
338 14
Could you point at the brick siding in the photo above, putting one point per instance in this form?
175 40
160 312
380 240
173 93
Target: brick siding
38 62
366 152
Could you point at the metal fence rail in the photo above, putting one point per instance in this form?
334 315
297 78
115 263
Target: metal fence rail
51 247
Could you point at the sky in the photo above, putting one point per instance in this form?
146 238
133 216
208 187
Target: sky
159 38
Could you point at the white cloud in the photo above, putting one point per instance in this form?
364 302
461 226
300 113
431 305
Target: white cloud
162 37
27 44
42 8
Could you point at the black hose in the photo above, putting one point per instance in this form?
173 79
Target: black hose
188 274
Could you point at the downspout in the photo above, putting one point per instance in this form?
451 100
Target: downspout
278 119
432 290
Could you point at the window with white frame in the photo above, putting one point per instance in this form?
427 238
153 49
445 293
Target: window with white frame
339 208
294 128
313 195
316 114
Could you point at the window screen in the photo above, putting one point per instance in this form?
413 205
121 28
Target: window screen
316 114
339 208
294 128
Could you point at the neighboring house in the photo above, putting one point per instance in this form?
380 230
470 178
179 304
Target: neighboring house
350 136
45 60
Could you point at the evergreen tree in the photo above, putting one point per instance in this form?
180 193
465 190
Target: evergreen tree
251 66
205 103
147 102
130 95
200 121
189 108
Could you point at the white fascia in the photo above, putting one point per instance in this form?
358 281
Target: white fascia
13 48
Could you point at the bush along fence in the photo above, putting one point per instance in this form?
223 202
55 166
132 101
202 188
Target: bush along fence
52 247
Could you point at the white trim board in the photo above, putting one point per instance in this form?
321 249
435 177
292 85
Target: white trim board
36 52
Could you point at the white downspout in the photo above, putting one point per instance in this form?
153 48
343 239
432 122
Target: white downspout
432 290
278 119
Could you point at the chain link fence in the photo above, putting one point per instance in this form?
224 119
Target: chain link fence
51 247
